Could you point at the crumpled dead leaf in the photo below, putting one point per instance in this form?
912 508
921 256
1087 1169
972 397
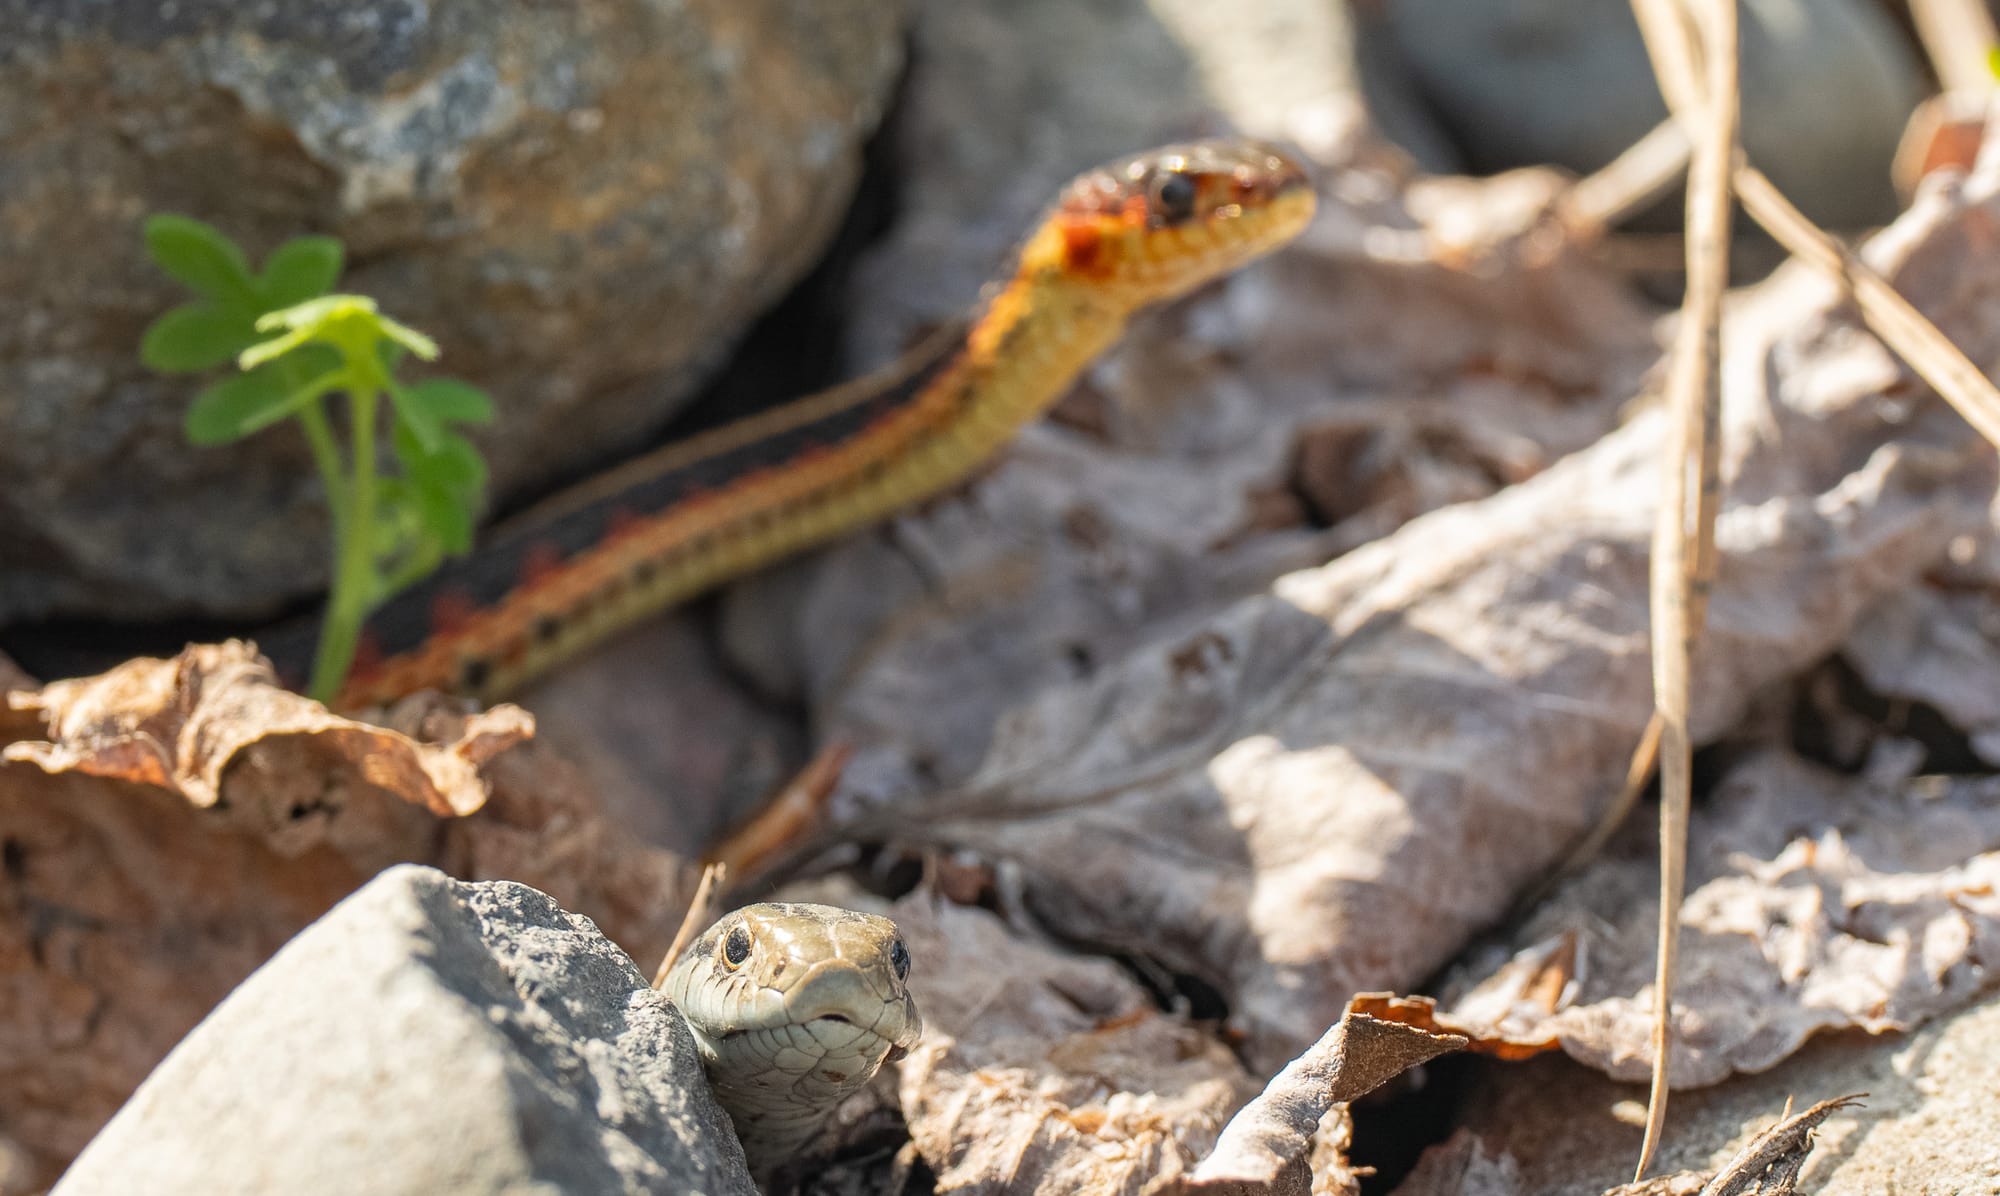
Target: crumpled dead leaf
176 821
1815 902
1768 1164
179 725
1046 1071
1938 644
1552 1127
1268 1148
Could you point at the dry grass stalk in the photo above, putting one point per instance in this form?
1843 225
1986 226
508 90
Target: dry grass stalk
1684 540
1893 318
702 911
1631 181
1957 35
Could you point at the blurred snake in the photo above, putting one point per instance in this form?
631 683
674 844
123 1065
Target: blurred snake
793 1008
594 560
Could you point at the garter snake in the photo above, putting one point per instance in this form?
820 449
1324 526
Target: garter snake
793 1008
664 527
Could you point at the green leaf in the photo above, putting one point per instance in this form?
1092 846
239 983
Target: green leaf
1993 60
419 419
408 337
450 401
231 409
447 516
454 463
458 465
193 337
264 352
302 268
199 256
397 521
313 315
310 361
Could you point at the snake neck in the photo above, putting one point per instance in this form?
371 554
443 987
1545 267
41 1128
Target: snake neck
662 529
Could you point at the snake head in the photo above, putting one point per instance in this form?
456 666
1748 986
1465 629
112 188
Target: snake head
794 1006
1159 224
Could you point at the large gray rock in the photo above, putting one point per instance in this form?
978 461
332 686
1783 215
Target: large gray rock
1827 86
428 1036
582 202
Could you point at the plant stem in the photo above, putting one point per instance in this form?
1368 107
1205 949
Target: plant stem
326 455
354 580
410 572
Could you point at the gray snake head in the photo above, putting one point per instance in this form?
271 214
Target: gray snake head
793 1007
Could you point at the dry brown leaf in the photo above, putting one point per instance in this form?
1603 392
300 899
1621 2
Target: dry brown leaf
1767 1164
178 820
1529 972
1268 1148
1939 645
1817 903
1555 1128
1044 1071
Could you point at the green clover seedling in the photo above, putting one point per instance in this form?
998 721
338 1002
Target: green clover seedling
296 346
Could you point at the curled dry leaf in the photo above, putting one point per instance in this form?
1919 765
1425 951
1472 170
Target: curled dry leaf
1332 786
1768 1164
1552 1127
1816 903
1939 645
1044 1071
173 822
1268 1148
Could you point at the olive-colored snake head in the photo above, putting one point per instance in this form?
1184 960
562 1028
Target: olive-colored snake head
1158 224
793 1007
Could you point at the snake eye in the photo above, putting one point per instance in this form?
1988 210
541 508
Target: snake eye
736 947
1173 197
899 959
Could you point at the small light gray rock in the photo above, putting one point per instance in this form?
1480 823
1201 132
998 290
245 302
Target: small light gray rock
1827 86
428 1035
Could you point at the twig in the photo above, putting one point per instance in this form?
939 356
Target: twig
1773 1159
700 915
786 819
1957 35
1684 537
1635 178
1900 325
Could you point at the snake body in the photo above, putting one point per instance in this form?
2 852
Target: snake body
671 524
793 1008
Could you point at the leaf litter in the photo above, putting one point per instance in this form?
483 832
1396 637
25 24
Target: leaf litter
166 827
1294 785
1333 784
